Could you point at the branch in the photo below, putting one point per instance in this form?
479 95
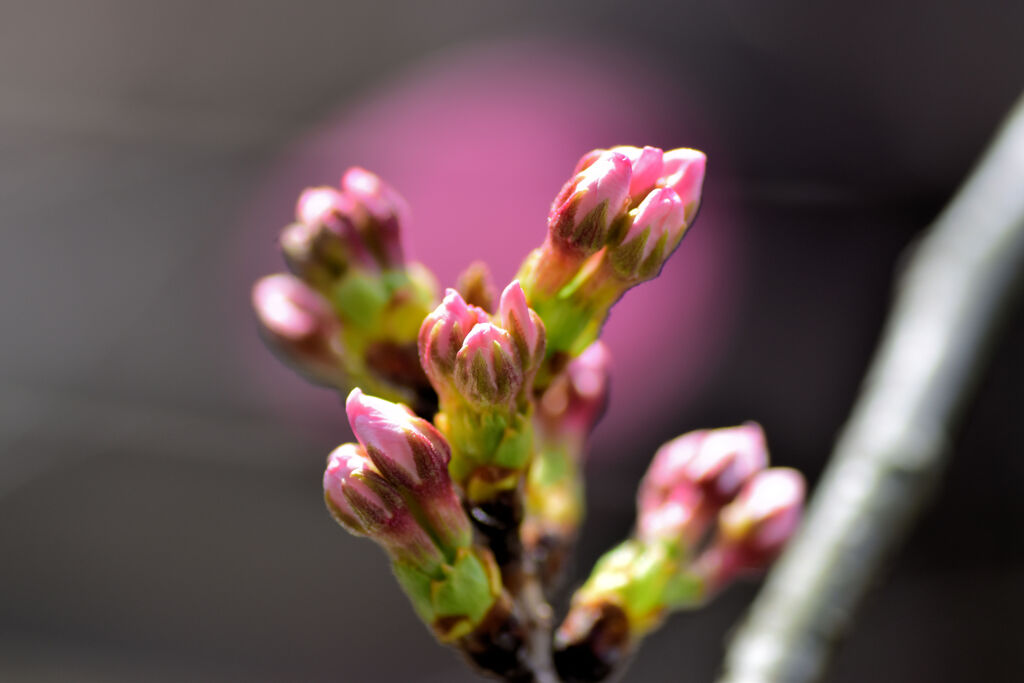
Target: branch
895 443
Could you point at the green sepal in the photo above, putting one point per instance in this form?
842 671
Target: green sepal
465 589
417 586
359 299
685 590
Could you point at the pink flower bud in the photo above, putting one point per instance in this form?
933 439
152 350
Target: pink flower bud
487 372
386 212
764 515
407 450
381 200
727 459
588 204
661 214
300 324
358 497
646 163
708 467
442 334
324 240
523 325
363 502
683 171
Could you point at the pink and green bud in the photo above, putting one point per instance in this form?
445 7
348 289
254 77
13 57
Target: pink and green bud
412 455
324 242
754 528
694 475
441 336
654 230
488 373
764 515
647 166
380 214
299 323
363 502
587 205
683 171
406 449
523 325
727 459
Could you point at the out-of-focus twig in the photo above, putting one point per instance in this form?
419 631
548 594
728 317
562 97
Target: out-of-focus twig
896 440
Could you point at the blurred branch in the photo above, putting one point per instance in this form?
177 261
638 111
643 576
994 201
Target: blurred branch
895 443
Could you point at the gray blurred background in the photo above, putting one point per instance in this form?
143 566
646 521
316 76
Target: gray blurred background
160 513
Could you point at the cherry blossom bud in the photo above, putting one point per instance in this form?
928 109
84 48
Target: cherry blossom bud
727 459
523 325
488 373
406 449
588 204
692 476
413 457
764 515
300 324
324 241
683 171
655 228
384 213
647 169
363 502
442 334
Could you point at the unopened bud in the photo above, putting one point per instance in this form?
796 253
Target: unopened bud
406 449
586 206
413 457
384 211
654 230
693 475
764 515
323 242
363 502
300 324
442 334
727 459
523 325
488 373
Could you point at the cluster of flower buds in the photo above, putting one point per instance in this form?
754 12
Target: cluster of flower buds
612 226
479 509
393 487
345 247
566 413
482 368
699 481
